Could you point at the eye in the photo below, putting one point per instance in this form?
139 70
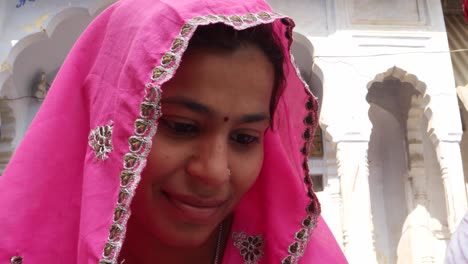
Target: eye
245 139
178 128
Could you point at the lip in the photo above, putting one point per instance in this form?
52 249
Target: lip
193 208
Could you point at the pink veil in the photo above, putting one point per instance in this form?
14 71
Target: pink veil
66 192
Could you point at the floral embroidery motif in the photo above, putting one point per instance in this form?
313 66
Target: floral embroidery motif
251 247
16 260
100 140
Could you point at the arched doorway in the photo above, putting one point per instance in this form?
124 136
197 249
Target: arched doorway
407 193
36 54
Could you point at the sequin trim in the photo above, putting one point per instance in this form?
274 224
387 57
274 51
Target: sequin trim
146 126
302 237
100 140
250 247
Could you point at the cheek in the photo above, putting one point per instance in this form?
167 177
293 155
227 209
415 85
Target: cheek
162 159
246 172
164 152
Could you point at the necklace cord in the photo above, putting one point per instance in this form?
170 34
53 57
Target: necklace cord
218 244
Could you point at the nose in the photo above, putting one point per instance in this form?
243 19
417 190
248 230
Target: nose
209 163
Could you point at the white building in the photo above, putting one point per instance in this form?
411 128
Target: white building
391 168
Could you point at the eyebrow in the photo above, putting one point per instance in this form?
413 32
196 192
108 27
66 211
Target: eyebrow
252 118
190 104
205 110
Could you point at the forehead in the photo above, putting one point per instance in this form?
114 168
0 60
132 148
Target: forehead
224 80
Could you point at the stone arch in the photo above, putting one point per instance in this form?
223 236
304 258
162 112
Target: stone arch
303 52
42 51
411 170
404 77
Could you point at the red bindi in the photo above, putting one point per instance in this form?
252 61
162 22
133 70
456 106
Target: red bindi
226 119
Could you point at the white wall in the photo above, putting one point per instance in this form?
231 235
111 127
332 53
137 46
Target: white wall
310 15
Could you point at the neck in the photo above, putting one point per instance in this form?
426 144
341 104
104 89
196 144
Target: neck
141 246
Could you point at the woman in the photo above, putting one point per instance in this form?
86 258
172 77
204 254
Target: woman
156 147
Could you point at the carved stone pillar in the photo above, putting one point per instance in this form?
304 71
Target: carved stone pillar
417 239
449 156
7 134
335 205
357 219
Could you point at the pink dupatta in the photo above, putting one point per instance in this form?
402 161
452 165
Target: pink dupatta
465 9
66 193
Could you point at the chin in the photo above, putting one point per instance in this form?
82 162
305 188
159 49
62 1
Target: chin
184 237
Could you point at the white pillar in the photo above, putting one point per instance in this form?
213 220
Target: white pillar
445 133
357 220
417 239
449 156
335 204
416 242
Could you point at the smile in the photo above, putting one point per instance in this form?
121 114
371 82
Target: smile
193 208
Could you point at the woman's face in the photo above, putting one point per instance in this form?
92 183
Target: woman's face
208 150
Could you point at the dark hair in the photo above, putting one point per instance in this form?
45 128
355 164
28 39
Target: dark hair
225 38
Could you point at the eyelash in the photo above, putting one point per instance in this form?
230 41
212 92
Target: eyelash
181 129
246 139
